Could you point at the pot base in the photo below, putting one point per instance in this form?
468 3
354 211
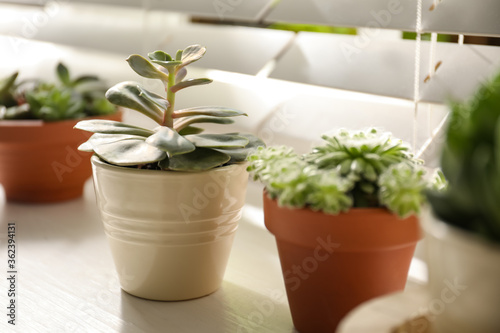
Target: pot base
171 273
46 196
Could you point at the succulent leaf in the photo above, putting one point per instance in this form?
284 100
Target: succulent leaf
145 68
200 159
158 100
218 140
111 127
189 83
130 95
181 74
192 53
170 141
240 154
100 138
215 111
190 130
160 56
186 121
129 152
63 74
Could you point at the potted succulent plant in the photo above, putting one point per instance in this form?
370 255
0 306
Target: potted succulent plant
343 218
464 227
170 198
39 160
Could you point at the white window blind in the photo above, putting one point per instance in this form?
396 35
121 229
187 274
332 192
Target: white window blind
346 79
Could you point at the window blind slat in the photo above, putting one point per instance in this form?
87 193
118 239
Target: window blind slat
386 67
461 69
480 17
126 31
245 10
350 62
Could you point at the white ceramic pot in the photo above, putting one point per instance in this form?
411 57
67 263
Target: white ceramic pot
170 233
464 280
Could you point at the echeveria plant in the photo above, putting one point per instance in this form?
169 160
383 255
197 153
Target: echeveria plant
175 144
69 99
471 162
352 169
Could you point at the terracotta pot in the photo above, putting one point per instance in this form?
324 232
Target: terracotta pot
170 233
40 162
332 263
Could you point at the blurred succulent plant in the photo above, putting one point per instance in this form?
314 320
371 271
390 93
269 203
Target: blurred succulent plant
353 169
471 163
70 99
175 144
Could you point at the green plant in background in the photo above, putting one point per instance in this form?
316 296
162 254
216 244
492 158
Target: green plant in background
176 144
471 163
70 99
297 27
426 36
352 169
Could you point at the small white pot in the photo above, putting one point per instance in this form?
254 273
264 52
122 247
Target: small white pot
170 233
464 280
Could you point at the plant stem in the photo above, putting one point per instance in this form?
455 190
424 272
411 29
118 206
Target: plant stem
168 120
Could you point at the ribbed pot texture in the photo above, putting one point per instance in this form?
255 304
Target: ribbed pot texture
170 233
40 161
333 263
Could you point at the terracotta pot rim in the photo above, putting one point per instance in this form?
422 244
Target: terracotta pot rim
30 123
351 211
356 230
98 162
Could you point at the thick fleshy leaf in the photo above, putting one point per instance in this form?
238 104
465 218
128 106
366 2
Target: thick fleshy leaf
189 83
100 138
166 63
159 55
181 74
7 82
218 140
191 130
154 98
240 154
111 127
129 152
63 74
85 78
199 160
178 55
128 94
192 53
216 111
186 121
170 141
145 68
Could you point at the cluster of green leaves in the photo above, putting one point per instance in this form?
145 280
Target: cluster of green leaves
176 144
470 161
352 169
69 99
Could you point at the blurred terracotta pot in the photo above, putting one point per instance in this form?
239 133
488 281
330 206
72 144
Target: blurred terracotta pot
40 162
332 263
